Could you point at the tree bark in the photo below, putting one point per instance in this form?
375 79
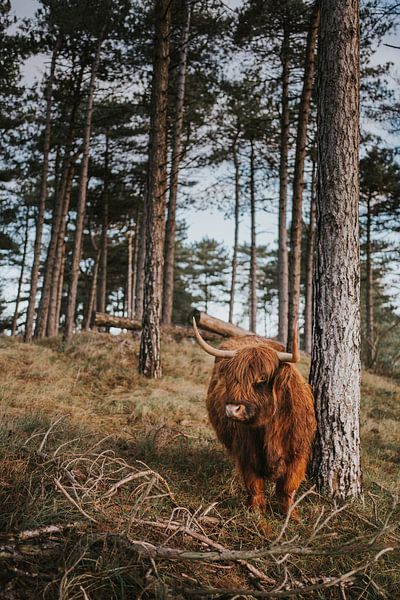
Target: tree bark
298 180
335 364
308 309
283 273
140 260
150 351
21 275
43 197
253 248
80 213
369 305
169 248
236 233
45 320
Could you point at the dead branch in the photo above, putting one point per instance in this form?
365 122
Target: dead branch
341 580
164 552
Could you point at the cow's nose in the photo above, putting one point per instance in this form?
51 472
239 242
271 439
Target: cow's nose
234 411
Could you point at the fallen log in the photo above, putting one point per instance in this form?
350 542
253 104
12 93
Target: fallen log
105 320
215 325
176 331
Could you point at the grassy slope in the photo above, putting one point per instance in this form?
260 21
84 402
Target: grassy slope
94 381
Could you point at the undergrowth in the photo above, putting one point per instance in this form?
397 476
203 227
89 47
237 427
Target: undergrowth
101 470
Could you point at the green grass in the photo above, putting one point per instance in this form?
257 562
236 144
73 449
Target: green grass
116 423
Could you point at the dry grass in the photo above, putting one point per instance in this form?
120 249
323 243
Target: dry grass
133 461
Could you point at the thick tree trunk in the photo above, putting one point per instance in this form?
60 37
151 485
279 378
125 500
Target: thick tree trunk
21 275
308 309
298 180
42 200
169 248
236 233
369 305
253 248
45 321
335 365
150 351
140 260
80 211
283 274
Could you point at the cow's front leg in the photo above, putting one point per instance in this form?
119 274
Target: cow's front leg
255 487
288 484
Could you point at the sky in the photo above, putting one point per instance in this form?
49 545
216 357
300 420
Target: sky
212 222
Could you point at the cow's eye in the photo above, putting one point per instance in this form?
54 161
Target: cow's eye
260 384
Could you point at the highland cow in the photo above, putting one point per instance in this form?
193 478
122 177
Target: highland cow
262 411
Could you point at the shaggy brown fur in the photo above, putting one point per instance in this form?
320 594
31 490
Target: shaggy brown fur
273 436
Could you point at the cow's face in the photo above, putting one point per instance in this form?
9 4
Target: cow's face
249 378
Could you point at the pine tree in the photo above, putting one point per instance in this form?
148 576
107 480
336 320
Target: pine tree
210 266
150 351
335 364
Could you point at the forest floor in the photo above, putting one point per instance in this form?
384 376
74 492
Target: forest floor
113 486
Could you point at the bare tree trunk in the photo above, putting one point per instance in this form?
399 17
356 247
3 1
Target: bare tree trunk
104 234
57 275
253 248
134 261
236 234
129 286
21 275
150 352
283 273
298 180
308 309
46 313
80 212
60 287
140 260
41 322
42 200
369 304
90 309
335 365
169 248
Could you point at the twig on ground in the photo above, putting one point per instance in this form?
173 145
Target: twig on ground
70 499
46 435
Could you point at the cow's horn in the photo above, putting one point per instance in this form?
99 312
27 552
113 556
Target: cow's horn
210 349
294 356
